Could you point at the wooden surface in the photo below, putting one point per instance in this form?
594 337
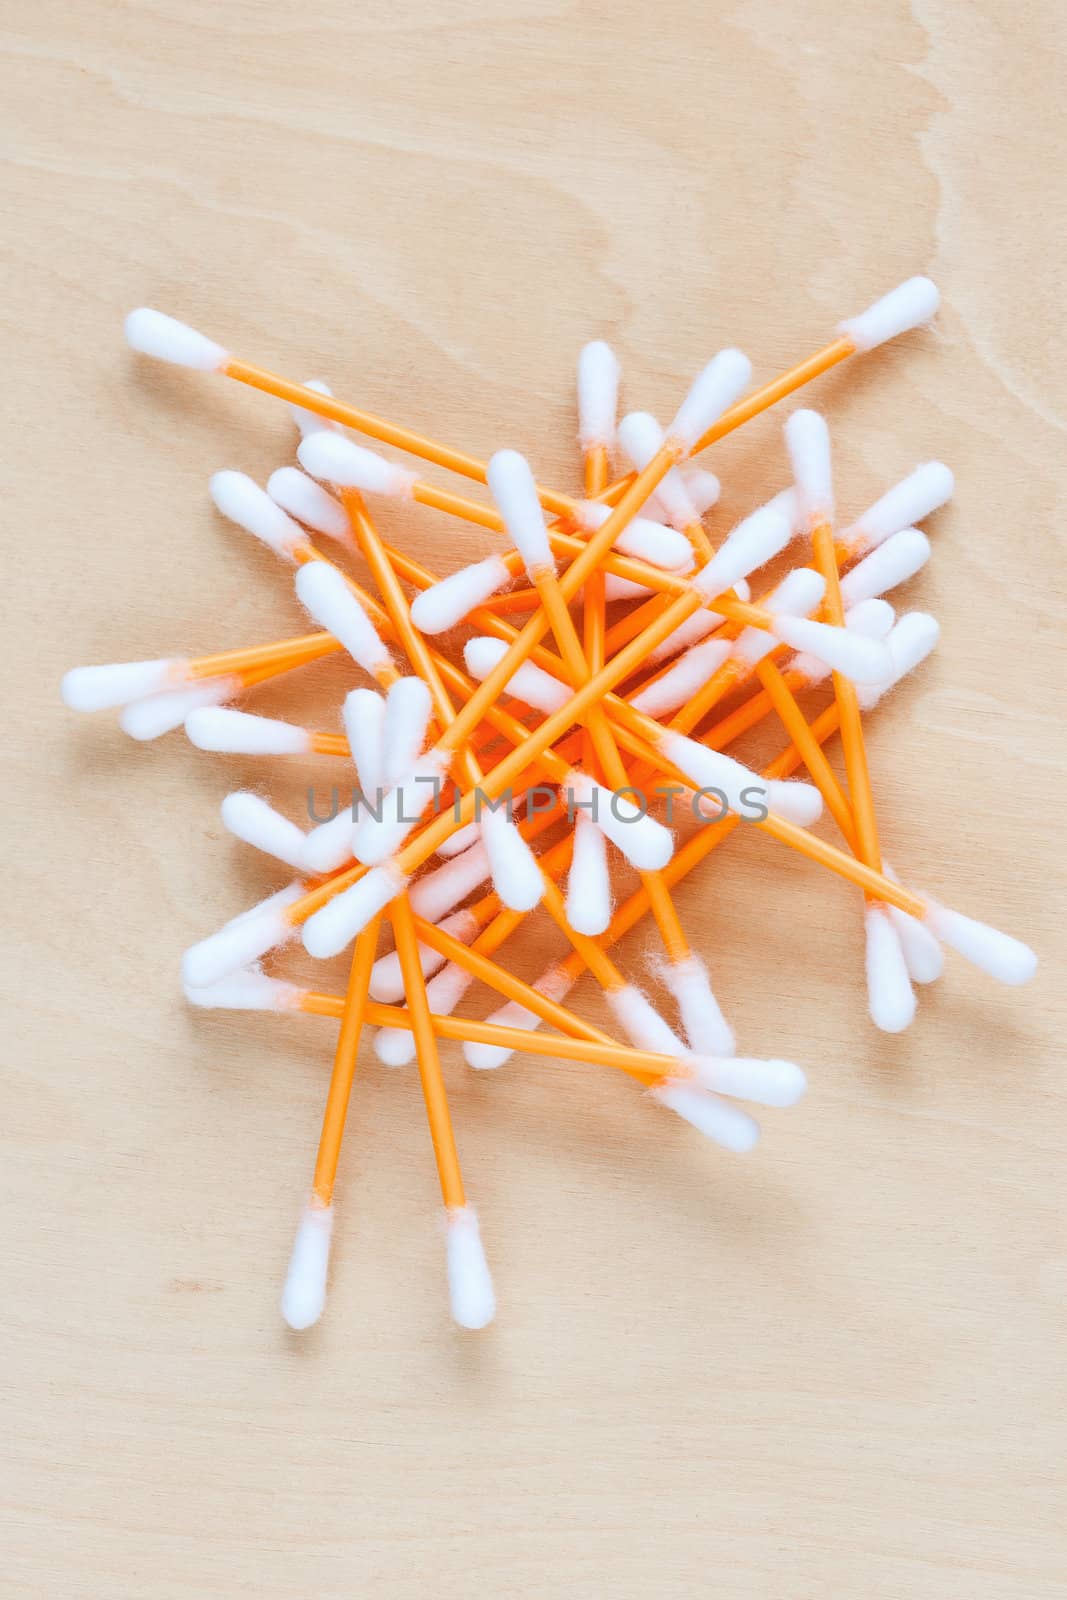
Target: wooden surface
832 1368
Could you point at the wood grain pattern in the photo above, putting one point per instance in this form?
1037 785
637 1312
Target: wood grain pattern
833 1368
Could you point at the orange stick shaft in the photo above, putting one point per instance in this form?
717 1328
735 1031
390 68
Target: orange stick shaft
344 1063
430 1075
852 739
293 652
799 730
644 1065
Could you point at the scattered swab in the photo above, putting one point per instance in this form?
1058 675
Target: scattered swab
222 729
575 729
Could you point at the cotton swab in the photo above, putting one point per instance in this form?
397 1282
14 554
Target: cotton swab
304 1295
155 334
574 720
891 999
224 730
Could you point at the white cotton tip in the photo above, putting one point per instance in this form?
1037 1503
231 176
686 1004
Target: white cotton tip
744 790
513 866
688 633
588 882
241 733
684 679
795 802
394 1047
873 618
923 955
408 708
511 483
161 713
328 931
726 1125
304 1295
645 843
890 997
241 941
461 840
642 538
248 990
100 688
641 437
381 831
756 540
311 421
329 845
470 1288
723 380
309 503
1004 958
623 589
363 713
529 683
241 499
901 556
435 894
922 950
799 592
324 593
702 487
765 1083
907 306
598 394
444 604
706 1029
387 979
555 984
337 460
445 991
808 441
909 643
851 654
908 502
154 334
249 818
642 1023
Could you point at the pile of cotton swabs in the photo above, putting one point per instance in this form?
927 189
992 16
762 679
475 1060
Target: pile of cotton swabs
577 724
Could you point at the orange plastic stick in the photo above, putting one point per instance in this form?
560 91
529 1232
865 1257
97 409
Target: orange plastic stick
852 740
430 1076
344 1063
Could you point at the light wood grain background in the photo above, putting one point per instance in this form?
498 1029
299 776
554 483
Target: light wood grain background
832 1368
